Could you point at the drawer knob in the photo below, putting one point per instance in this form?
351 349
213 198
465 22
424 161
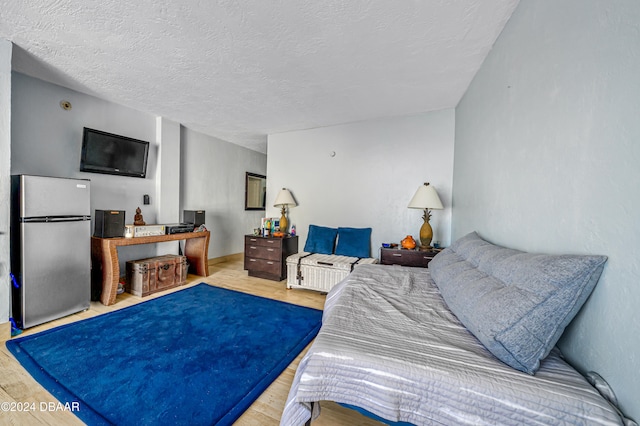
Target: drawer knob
252 260
269 263
270 249
252 247
397 254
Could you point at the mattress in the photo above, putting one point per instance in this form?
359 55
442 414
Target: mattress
321 272
389 345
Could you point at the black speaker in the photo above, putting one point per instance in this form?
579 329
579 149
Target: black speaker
193 216
109 223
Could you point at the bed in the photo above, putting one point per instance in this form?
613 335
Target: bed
392 345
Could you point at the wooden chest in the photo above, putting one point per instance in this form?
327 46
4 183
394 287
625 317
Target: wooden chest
147 276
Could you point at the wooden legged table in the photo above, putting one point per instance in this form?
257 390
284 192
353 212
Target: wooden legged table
105 265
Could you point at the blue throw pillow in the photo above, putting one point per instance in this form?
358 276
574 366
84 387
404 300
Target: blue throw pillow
354 242
320 240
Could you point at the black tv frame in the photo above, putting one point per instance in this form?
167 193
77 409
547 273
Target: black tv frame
84 167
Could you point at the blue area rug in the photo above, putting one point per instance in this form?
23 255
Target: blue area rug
199 356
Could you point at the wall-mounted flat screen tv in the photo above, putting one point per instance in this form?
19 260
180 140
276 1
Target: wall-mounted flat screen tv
104 152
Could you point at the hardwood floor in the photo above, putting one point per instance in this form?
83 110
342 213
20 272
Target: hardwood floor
16 385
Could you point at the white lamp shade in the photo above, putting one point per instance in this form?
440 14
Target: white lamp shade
426 197
284 198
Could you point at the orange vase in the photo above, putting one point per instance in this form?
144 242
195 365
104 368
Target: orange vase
408 242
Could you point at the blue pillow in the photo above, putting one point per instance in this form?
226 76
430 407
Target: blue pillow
320 239
354 242
517 304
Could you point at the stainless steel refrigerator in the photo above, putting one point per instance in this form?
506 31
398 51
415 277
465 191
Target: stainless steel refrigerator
50 248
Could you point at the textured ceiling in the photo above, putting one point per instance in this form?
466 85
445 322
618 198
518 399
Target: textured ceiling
241 69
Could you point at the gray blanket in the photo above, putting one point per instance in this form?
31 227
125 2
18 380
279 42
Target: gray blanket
390 345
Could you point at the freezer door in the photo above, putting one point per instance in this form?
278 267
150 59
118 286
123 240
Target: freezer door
55 271
42 196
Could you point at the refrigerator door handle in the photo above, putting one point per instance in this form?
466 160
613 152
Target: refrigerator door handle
48 219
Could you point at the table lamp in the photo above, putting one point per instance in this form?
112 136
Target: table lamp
426 198
284 200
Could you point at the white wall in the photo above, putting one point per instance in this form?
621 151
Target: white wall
5 173
377 167
167 198
547 159
47 140
186 169
168 176
212 179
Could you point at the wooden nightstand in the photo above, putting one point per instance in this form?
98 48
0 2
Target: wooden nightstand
266 257
416 258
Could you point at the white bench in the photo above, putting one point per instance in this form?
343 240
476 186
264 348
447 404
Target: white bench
321 272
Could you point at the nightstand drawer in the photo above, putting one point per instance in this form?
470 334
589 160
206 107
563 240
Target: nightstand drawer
404 257
263 242
262 252
263 265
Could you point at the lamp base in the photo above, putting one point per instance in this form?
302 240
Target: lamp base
283 222
426 232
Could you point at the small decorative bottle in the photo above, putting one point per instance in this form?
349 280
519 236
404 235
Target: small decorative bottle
293 230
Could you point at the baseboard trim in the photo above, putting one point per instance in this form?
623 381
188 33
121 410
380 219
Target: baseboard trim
227 258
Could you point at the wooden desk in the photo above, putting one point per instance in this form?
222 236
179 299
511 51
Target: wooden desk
105 265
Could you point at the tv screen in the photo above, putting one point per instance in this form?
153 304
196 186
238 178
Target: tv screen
104 152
